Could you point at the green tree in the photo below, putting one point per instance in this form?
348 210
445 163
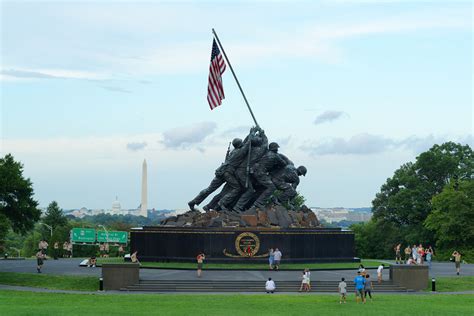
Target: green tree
18 209
54 216
405 199
452 219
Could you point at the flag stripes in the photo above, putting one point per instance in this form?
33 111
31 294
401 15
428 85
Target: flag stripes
215 89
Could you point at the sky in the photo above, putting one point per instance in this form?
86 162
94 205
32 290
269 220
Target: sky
350 89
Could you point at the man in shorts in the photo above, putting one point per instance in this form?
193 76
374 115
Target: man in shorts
457 260
398 255
342 290
359 287
39 260
276 257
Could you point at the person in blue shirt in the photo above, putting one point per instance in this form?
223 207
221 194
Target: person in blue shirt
359 287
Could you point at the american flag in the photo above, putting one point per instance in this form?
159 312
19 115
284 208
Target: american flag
215 90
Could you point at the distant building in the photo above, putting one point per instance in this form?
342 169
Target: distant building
338 214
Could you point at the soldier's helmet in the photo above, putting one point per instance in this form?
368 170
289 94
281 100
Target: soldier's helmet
237 143
301 170
273 147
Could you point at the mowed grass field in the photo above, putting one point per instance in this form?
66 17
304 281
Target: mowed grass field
47 281
29 303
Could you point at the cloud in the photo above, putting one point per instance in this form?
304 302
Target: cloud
366 144
26 74
328 116
145 81
314 40
136 146
116 89
49 74
421 144
238 131
361 144
185 137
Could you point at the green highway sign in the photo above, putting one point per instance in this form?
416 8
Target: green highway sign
83 235
118 237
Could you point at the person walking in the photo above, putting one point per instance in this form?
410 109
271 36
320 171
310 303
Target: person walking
398 256
304 282
200 259
308 275
270 286
39 260
271 258
457 260
359 282
342 287
368 286
277 257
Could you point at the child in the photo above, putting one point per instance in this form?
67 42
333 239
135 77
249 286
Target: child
342 290
368 287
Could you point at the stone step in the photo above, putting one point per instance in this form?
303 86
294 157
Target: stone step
245 286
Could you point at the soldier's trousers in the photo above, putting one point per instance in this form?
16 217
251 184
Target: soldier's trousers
263 178
215 200
214 185
234 190
287 190
248 193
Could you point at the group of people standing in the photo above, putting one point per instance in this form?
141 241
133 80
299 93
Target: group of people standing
43 249
274 258
414 254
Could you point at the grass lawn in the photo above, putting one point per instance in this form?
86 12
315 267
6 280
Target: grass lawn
244 266
453 284
57 282
29 303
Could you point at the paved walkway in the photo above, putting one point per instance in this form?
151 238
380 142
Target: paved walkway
41 290
71 267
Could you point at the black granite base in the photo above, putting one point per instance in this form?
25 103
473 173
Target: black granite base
242 245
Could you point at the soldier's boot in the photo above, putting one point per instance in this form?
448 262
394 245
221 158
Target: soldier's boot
191 205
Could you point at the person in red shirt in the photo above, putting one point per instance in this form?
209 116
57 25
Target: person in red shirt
200 259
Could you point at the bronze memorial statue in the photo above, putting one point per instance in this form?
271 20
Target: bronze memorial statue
259 189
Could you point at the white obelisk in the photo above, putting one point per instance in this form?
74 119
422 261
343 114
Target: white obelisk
144 204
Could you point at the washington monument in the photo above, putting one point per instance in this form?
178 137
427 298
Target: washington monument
144 204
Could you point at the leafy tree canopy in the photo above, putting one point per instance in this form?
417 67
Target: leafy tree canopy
452 219
54 216
16 197
405 199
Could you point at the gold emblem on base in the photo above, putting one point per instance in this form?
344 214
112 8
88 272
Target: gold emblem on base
247 245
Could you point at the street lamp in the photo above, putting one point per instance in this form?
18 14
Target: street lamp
106 233
50 228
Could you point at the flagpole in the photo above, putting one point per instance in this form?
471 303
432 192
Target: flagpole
235 77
